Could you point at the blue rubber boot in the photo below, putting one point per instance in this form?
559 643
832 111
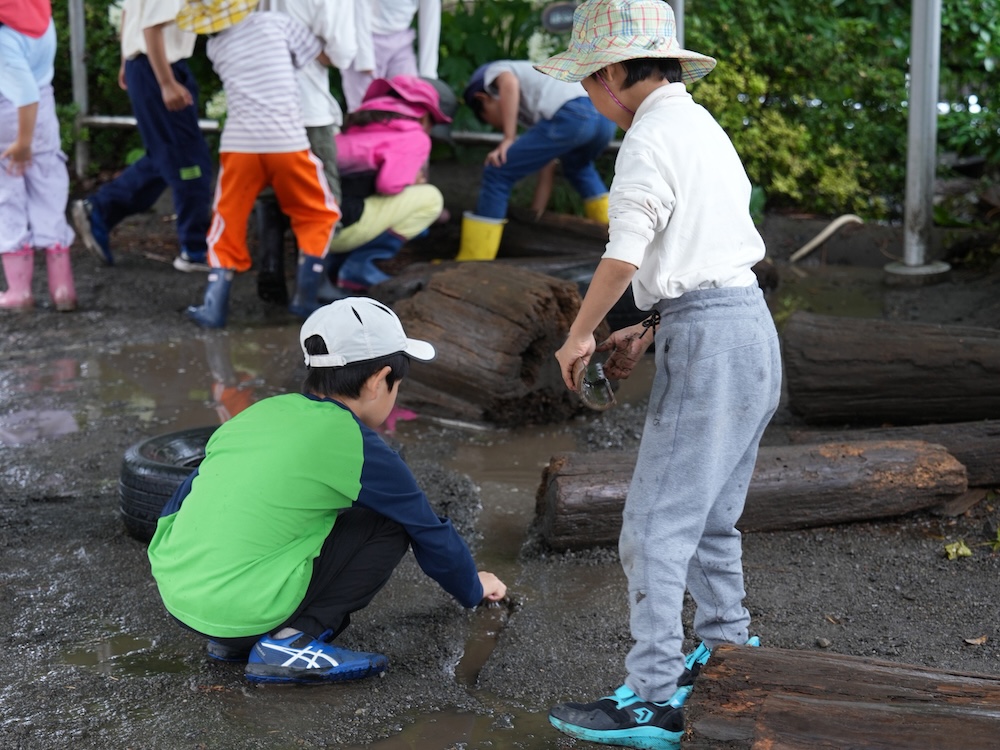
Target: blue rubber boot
307 283
328 289
212 312
359 270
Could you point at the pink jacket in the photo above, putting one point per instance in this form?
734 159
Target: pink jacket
397 149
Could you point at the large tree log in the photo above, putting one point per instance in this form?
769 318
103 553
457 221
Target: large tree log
860 371
976 445
495 328
581 495
754 698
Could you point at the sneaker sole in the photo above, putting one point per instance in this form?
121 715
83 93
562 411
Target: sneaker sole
276 674
188 266
645 738
82 223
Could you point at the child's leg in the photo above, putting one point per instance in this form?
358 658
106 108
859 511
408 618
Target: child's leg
47 185
595 133
716 386
241 178
300 184
355 562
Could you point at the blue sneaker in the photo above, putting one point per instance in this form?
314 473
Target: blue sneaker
88 222
304 659
623 719
694 661
192 260
224 652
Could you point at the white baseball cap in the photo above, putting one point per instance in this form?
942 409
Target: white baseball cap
357 329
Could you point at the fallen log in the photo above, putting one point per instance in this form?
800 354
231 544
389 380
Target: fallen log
580 499
495 328
976 445
752 698
867 372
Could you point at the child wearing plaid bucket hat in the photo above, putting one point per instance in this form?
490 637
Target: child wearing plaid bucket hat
680 233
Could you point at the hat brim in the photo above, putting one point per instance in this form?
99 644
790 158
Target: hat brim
419 349
201 19
575 65
383 86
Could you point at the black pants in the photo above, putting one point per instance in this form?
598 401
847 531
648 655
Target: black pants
354 564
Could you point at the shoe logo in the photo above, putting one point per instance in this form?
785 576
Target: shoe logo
642 715
302 658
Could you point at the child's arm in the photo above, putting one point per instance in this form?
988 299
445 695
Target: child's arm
609 283
175 96
510 99
19 152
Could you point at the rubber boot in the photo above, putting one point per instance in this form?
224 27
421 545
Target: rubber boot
480 237
18 267
60 274
328 289
359 270
307 282
212 312
271 226
596 208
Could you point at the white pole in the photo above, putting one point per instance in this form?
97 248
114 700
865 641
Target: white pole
78 52
678 6
921 147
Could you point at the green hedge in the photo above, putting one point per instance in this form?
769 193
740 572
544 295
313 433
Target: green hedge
812 92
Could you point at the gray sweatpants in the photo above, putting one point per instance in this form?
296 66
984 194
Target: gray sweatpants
717 384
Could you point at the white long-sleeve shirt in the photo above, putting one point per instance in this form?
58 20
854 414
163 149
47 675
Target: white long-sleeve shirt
334 24
679 205
392 16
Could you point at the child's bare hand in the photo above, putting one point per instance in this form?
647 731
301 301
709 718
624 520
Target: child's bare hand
627 347
498 156
493 588
18 157
568 355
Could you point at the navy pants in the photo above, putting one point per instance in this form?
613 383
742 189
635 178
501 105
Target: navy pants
176 157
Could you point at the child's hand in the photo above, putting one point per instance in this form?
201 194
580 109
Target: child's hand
498 156
627 347
18 157
493 588
568 355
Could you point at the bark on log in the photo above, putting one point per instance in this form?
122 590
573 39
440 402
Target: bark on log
975 444
753 698
495 328
858 371
581 495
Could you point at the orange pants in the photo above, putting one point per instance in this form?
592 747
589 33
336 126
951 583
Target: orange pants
302 192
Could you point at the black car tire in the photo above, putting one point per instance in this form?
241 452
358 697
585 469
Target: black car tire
152 470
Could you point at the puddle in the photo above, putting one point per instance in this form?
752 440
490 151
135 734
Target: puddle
849 291
124 654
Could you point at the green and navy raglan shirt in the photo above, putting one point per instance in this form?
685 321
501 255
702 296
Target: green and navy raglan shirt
233 553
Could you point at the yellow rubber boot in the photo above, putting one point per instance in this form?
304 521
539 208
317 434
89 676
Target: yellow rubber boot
596 209
480 237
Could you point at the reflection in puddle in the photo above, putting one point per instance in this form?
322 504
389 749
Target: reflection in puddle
126 654
451 730
27 426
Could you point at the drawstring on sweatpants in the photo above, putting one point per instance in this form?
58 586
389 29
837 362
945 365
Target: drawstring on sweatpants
651 322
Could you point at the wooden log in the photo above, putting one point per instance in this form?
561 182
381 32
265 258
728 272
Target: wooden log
868 372
581 495
495 328
752 698
975 444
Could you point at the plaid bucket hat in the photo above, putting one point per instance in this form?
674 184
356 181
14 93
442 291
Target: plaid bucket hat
612 31
211 16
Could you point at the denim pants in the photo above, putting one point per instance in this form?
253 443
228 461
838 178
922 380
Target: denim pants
176 157
576 135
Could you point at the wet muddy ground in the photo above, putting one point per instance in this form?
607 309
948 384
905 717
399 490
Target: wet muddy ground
90 659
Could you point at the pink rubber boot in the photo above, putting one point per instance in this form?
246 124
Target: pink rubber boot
61 287
18 267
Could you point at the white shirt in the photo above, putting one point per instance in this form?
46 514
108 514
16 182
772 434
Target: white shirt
541 95
257 61
679 205
333 23
385 17
142 14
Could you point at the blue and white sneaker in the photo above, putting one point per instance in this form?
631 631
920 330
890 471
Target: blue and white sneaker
192 260
694 661
623 719
90 226
304 659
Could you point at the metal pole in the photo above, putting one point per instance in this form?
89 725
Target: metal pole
678 6
921 153
78 53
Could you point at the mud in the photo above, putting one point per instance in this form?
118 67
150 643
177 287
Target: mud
90 660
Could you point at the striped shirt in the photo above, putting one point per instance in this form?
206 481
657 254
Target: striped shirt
257 60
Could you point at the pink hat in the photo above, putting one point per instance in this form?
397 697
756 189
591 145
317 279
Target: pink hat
415 91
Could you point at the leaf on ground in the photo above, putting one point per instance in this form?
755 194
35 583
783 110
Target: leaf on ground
957 549
976 641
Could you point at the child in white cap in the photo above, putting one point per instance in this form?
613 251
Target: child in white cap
317 510
681 235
